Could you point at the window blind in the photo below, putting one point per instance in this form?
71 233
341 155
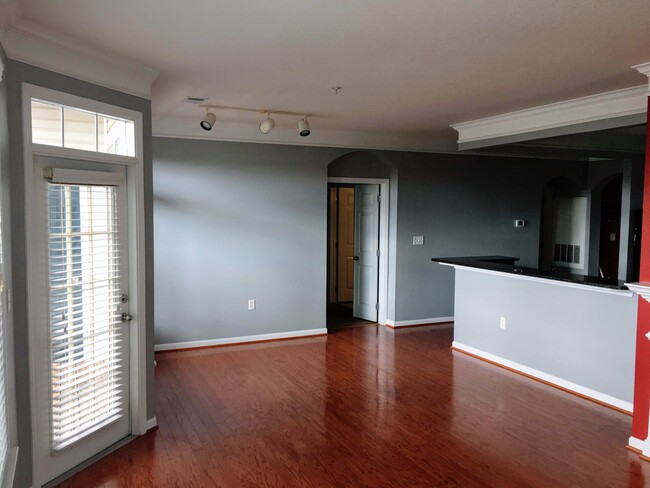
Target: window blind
85 328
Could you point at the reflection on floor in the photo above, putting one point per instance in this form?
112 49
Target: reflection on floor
365 407
339 316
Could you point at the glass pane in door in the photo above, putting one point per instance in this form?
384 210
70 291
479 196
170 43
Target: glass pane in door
86 335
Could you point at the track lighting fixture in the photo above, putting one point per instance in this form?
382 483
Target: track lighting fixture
267 125
303 127
209 120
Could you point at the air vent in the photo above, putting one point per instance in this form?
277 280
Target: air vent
195 100
566 253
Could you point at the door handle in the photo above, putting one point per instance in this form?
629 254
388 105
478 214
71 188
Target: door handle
127 317
356 258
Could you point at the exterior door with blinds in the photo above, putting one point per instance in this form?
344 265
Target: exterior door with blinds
82 348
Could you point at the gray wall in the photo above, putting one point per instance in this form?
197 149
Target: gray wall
235 221
464 206
17 73
580 336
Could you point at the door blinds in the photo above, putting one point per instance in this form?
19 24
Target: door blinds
85 330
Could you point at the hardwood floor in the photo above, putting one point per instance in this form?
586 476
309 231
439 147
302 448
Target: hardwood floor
366 407
339 316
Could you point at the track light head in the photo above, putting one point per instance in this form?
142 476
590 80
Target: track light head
303 127
208 121
267 125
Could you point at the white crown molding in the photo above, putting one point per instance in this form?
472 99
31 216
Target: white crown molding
618 103
644 69
642 289
188 128
32 44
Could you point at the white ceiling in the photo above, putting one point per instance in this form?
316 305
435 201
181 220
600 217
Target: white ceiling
407 69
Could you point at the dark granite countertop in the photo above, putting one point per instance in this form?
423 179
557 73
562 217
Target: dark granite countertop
496 263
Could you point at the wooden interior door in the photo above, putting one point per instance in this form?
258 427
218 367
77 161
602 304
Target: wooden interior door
345 284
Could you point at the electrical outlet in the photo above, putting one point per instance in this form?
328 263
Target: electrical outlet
502 323
251 304
418 240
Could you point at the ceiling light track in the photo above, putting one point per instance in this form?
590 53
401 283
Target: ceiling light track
256 110
267 124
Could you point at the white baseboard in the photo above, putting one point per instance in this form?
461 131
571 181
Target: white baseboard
635 443
151 423
240 340
568 385
406 323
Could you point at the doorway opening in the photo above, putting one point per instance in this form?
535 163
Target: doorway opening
355 272
610 228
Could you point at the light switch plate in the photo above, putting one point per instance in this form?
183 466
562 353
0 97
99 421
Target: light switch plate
251 304
418 240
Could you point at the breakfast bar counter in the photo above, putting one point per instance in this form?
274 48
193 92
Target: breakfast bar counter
576 332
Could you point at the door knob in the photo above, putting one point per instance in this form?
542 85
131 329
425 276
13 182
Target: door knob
356 258
127 317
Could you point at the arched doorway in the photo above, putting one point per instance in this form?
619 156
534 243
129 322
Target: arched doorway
358 202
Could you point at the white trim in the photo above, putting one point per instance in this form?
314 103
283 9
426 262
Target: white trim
384 223
568 385
70 153
151 423
34 44
406 323
74 101
618 103
10 468
644 69
240 340
135 190
82 177
548 281
636 443
642 289
355 181
2 69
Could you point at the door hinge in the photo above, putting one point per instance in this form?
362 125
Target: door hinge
378 252
376 306
378 198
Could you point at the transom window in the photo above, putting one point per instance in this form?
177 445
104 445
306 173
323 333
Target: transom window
58 125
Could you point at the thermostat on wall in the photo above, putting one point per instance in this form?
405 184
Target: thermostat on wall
520 223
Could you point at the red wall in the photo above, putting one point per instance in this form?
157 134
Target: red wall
642 369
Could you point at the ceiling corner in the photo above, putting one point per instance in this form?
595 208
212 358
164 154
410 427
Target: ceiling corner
644 69
33 44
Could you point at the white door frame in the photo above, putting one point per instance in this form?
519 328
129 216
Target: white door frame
384 184
136 240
